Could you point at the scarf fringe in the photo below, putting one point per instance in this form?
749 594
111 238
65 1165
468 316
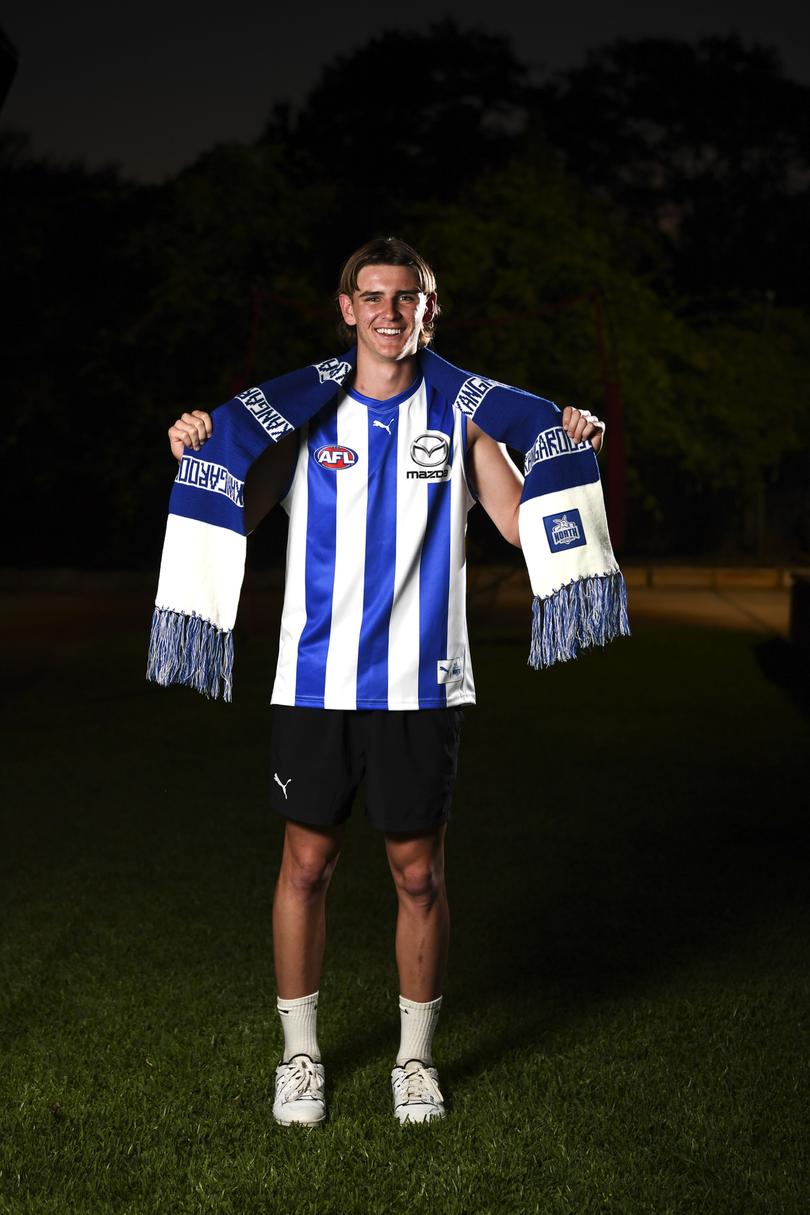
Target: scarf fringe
191 651
590 611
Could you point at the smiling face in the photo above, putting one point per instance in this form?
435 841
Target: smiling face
388 310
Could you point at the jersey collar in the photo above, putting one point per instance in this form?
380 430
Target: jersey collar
389 404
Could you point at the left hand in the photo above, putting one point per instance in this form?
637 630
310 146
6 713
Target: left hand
578 424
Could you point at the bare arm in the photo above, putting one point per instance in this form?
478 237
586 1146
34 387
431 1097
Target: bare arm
267 478
496 480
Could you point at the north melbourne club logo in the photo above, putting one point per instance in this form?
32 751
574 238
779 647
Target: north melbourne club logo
564 531
431 451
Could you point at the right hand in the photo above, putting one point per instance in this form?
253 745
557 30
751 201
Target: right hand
190 430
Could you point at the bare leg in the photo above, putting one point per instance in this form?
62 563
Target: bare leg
423 917
299 907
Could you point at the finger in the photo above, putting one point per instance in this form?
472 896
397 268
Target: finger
194 428
177 444
579 425
593 432
597 433
195 425
181 437
583 425
182 434
570 420
205 418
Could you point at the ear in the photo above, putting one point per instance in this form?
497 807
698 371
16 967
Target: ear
430 308
346 309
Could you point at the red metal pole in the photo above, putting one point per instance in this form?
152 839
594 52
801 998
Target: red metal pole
615 464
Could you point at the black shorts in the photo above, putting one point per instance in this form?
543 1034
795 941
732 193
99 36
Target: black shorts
408 759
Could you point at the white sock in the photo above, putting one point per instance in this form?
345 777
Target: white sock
298 1020
417 1027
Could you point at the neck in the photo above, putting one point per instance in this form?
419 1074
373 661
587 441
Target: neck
383 380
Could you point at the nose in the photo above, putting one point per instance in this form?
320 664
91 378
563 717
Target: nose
392 307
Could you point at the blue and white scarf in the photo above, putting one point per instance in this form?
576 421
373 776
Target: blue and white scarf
579 593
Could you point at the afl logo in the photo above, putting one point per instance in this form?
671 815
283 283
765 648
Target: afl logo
336 457
431 449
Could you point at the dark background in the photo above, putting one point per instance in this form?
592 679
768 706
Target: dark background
615 205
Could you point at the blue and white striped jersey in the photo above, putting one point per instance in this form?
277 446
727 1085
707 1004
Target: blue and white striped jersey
374 612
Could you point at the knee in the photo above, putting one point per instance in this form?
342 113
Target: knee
419 883
307 874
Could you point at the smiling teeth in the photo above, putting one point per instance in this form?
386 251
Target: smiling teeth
390 332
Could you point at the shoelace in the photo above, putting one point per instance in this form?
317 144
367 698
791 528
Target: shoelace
417 1085
302 1081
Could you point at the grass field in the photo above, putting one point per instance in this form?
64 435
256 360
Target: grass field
626 1015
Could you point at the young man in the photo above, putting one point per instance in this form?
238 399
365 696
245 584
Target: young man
373 667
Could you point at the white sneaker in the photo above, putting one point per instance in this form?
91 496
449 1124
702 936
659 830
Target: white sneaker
300 1092
417 1096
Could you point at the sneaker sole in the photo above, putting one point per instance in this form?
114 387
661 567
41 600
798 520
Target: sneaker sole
435 1116
299 1122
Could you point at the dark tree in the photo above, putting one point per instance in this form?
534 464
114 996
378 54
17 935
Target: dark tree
408 116
707 146
9 62
73 288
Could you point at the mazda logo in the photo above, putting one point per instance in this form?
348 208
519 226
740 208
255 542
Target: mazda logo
431 449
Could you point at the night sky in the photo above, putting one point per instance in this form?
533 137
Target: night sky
150 86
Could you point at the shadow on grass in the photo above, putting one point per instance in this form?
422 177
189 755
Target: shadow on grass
678 842
628 916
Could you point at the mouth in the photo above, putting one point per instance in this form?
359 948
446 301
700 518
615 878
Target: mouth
386 332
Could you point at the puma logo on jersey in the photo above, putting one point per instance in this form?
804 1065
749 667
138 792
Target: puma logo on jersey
282 784
383 425
450 670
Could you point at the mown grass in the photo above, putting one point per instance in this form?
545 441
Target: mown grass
625 1020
